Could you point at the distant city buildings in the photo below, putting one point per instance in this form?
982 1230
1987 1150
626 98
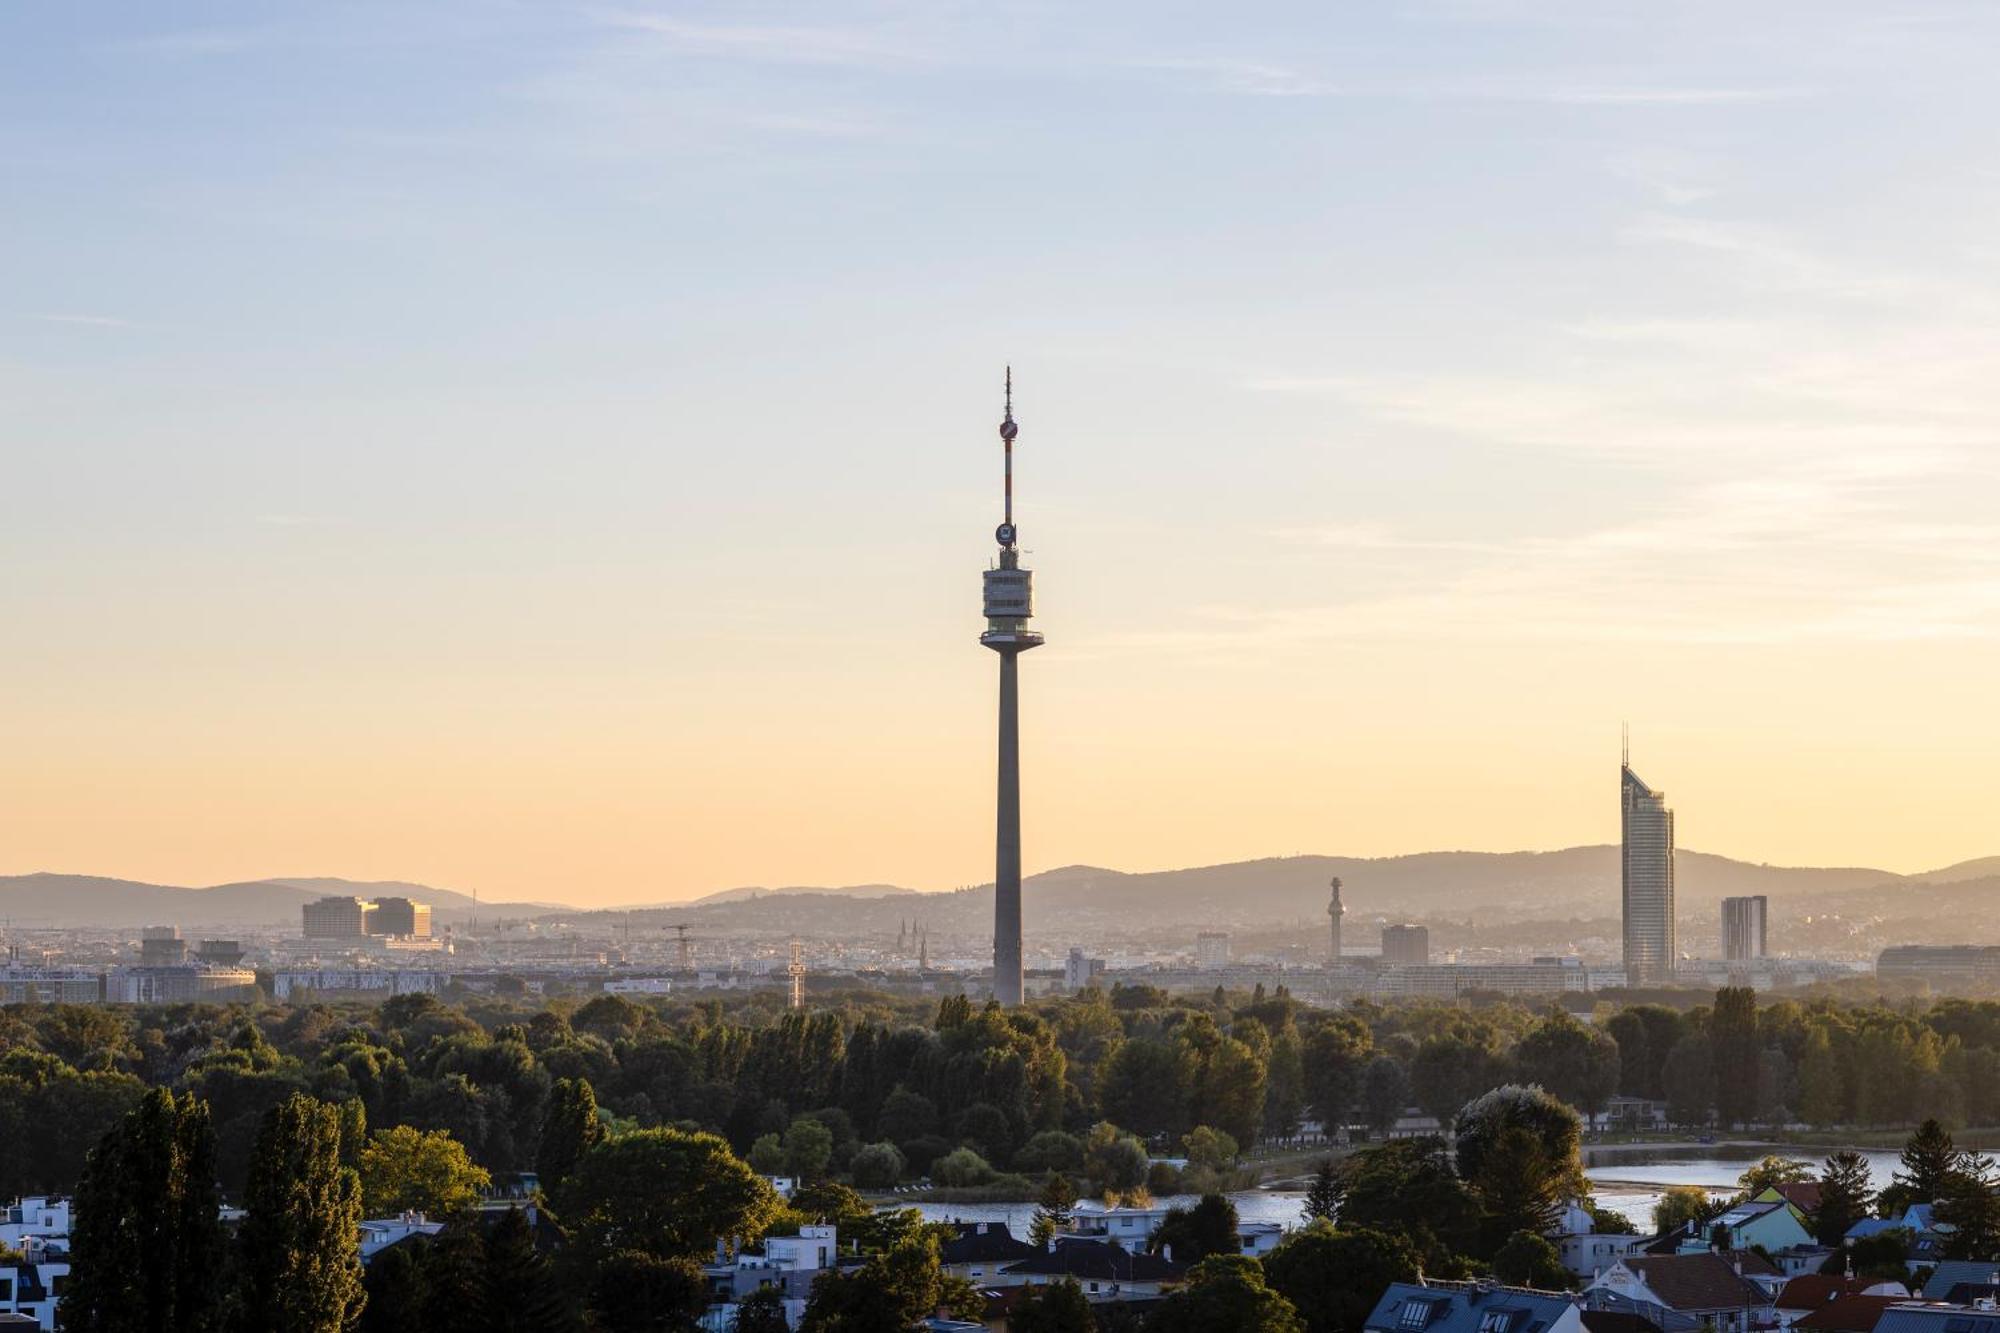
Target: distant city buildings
337 918
1080 972
1406 944
1743 928
162 946
374 982
179 984
358 918
1543 976
1946 968
1211 950
1647 826
22 983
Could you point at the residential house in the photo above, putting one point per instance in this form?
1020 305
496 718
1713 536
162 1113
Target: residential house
1953 1276
1629 1115
1926 1238
1922 1317
789 1263
1585 1250
1769 1225
1133 1228
38 1226
1812 1292
1616 1321
1684 1291
1106 1272
1848 1314
1803 1195
981 1250
379 1233
44 1215
1472 1307
32 1285
1130 1227
1802 1260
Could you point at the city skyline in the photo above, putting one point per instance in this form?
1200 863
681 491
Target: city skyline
442 438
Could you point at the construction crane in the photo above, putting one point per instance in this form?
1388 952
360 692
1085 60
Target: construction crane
682 931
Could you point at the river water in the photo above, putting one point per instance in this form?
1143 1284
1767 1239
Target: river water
1629 1180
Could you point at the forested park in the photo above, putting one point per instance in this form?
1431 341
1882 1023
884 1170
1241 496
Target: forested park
221 1158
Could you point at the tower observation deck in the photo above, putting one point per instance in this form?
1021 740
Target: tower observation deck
1009 603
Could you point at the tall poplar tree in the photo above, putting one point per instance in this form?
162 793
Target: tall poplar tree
301 1270
147 1247
569 1130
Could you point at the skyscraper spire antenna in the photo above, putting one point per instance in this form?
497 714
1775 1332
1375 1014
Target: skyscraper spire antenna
1625 745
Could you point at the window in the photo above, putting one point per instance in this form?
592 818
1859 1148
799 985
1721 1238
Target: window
1415 1314
1497 1321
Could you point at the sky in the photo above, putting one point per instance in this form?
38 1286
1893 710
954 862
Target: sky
548 448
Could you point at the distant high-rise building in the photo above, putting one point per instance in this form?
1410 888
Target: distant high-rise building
1211 949
1743 928
1334 912
162 946
1651 946
337 918
400 917
220 953
1080 971
1406 944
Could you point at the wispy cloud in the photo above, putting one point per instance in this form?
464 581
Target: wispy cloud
1609 95
1769 257
89 321
196 42
1249 77
1268 78
777 43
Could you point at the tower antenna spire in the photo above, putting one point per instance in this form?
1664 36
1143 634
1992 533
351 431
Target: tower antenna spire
1008 430
1625 744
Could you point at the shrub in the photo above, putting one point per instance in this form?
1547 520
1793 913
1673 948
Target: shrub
961 1167
877 1166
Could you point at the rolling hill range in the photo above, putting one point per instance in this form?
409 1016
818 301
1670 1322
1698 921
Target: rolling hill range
1475 886
45 899
1491 887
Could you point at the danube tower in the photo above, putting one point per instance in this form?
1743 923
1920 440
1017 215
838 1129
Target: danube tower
1010 602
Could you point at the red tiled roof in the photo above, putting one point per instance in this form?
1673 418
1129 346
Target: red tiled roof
1812 1290
1699 1281
1801 1194
1848 1314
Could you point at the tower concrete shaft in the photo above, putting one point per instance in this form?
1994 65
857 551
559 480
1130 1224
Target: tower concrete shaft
1009 602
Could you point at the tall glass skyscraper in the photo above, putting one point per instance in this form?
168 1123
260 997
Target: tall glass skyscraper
1650 943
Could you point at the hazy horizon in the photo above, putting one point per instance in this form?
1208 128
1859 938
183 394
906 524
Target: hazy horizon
528 446
918 889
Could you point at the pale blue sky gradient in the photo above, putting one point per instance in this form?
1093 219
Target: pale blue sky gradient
549 448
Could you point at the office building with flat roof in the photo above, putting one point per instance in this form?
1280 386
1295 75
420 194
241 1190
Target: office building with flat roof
1406 944
1743 928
